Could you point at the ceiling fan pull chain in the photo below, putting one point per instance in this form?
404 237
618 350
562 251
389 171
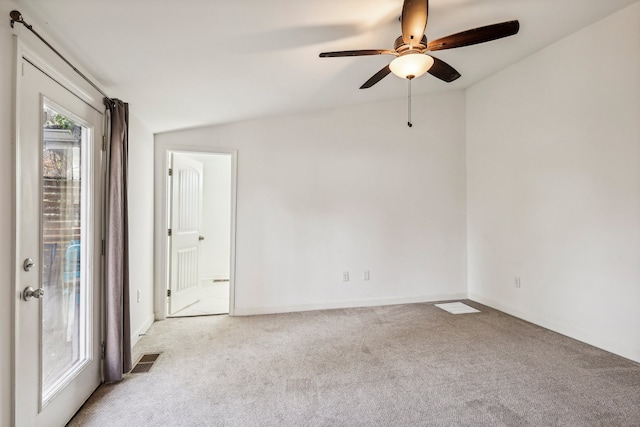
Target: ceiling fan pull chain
409 102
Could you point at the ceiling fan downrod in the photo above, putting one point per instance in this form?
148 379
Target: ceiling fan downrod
409 78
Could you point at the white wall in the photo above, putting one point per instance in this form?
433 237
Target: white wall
216 216
140 226
351 189
553 181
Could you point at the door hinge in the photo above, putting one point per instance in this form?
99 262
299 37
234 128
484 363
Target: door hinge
169 232
169 292
104 246
104 142
103 351
170 172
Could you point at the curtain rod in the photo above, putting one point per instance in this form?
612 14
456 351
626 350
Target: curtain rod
16 16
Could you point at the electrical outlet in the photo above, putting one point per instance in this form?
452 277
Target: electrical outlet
516 281
345 276
366 275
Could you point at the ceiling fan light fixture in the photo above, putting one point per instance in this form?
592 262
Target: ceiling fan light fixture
411 65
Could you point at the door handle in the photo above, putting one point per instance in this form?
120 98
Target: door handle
201 238
29 293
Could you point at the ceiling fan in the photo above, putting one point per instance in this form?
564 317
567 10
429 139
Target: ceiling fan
411 48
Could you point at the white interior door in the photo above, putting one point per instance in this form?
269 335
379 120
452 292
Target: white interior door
186 220
58 363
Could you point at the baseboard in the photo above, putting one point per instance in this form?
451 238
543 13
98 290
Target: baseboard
135 336
588 337
250 311
214 278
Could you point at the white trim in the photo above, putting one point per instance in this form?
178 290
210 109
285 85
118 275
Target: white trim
162 223
135 336
15 232
586 336
250 311
35 52
212 277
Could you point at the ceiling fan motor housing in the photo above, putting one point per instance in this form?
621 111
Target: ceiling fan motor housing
401 47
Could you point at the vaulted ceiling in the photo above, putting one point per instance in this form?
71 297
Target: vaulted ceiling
191 63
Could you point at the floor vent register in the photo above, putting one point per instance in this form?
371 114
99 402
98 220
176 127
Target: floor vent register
457 308
145 363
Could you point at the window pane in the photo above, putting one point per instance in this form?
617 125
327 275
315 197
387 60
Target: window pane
63 239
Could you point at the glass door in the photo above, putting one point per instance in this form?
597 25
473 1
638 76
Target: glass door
58 357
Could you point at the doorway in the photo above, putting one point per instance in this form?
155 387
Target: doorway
199 211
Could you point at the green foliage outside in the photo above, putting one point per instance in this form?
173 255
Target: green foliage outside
59 122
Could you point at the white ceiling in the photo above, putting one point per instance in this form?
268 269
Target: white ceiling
191 63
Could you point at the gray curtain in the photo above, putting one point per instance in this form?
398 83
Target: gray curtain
118 335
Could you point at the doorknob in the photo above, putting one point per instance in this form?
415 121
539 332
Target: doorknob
29 293
201 238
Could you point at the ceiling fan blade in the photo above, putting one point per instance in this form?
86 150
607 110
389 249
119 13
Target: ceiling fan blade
475 36
443 71
414 20
357 53
376 77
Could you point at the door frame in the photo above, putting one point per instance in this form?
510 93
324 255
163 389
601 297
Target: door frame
161 220
28 47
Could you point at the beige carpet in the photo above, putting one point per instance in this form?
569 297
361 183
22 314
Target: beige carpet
401 365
